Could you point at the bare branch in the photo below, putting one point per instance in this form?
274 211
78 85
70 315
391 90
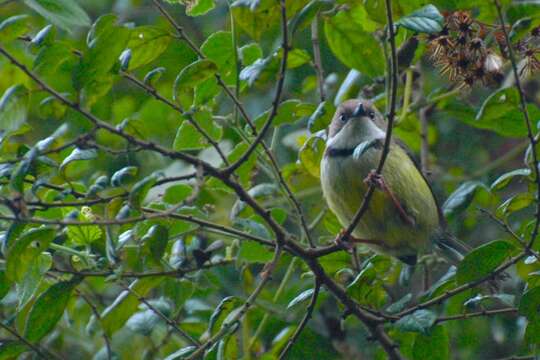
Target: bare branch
523 107
303 322
393 81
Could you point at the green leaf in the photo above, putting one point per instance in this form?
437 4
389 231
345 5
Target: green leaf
182 353
256 18
311 153
5 284
297 58
155 240
20 254
13 108
116 314
84 235
32 278
125 59
189 138
145 321
505 299
218 48
289 111
124 176
502 181
66 14
399 305
13 27
419 321
461 198
321 117
500 113
106 42
353 46
483 260
147 43
153 76
516 203
366 287
177 193
304 17
258 191
16 181
529 304
253 72
51 58
78 155
11 349
303 296
425 20
45 36
192 75
532 334
433 346
48 309
139 191
225 307
195 7
254 252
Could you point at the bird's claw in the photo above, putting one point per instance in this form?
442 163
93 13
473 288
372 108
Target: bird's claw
374 179
343 240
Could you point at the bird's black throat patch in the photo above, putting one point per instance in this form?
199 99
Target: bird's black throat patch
333 152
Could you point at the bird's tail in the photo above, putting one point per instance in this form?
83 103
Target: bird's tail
451 247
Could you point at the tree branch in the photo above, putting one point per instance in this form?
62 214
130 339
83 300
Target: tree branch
526 118
303 322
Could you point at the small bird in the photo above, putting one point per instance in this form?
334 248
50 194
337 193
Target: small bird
403 218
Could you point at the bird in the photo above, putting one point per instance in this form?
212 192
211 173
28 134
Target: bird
403 218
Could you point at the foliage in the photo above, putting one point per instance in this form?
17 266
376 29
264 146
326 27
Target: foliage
159 178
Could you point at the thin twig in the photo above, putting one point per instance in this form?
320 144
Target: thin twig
169 322
303 322
175 273
393 81
525 112
240 312
317 61
509 310
22 339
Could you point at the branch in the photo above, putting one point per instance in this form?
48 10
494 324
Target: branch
259 136
526 118
227 326
317 62
277 97
100 124
448 294
154 93
509 310
169 322
35 348
303 322
393 80
178 273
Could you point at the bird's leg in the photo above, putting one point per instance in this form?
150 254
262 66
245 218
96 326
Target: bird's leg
377 180
348 242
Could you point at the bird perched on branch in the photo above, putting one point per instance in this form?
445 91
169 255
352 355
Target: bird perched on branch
403 218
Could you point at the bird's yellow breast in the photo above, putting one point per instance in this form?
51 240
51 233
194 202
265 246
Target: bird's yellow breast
343 185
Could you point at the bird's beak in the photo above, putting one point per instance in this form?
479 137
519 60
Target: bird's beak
359 111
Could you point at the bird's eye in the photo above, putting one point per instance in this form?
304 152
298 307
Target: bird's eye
371 114
343 118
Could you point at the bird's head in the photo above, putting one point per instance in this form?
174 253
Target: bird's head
355 121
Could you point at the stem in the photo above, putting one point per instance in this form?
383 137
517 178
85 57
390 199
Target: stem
407 94
280 289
